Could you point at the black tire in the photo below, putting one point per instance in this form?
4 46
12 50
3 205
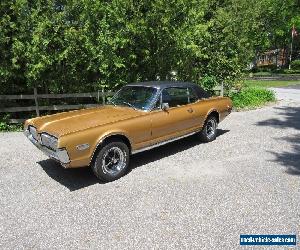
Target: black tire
111 161
209 130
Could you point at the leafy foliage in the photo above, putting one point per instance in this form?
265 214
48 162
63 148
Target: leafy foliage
296 65
209 82
79 45
252 97
5 126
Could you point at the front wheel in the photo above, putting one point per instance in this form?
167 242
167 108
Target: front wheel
209 130
111 162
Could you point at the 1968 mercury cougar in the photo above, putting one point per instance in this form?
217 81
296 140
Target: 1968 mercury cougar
138 117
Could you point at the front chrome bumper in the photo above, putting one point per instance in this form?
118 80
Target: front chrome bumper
60 155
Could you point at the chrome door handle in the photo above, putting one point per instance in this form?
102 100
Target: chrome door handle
190 110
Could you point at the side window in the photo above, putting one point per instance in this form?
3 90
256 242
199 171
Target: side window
175 96
192 95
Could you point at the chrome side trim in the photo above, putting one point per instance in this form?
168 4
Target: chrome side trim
163 142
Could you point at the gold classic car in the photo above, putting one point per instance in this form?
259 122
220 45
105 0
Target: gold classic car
138 117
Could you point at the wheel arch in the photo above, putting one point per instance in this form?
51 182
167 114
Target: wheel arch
109 138
215 113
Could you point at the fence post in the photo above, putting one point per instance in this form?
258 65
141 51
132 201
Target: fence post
98 96
103 96
222 89
36 102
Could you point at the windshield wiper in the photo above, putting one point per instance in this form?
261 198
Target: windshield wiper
111 102
130 105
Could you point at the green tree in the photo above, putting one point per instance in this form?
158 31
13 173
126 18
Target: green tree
80 45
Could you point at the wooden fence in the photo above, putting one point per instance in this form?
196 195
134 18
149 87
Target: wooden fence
100 96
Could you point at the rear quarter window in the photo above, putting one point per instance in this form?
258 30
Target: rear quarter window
175 96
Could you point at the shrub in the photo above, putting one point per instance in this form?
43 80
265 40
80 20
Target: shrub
295 65
291 71
5 126
267 68
267 73
252 97
209 82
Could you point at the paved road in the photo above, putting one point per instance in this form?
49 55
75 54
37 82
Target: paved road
184 195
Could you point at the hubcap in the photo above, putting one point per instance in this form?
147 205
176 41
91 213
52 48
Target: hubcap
113 161
210 128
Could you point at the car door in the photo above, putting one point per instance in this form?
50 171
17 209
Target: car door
177 120
197 103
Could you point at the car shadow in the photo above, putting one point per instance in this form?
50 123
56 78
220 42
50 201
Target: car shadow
73 179
291 119
78 178
169 149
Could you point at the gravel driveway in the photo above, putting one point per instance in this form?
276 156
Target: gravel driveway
288 93
183 195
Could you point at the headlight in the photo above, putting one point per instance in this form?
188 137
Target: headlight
49 141
33 132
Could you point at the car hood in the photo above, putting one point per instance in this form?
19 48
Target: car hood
72 121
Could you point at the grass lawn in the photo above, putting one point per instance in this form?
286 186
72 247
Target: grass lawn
267 84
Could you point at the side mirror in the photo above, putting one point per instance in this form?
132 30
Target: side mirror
165 106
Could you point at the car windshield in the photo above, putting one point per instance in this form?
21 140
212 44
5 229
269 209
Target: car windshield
137 97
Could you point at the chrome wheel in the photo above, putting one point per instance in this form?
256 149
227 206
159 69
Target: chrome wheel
113 161
211 128
209 131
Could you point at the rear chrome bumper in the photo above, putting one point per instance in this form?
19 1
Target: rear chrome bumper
60 155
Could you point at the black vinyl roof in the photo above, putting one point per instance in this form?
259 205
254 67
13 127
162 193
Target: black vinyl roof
163 84
167 84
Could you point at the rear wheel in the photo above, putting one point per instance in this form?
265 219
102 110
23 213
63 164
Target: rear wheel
209 130
111 162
